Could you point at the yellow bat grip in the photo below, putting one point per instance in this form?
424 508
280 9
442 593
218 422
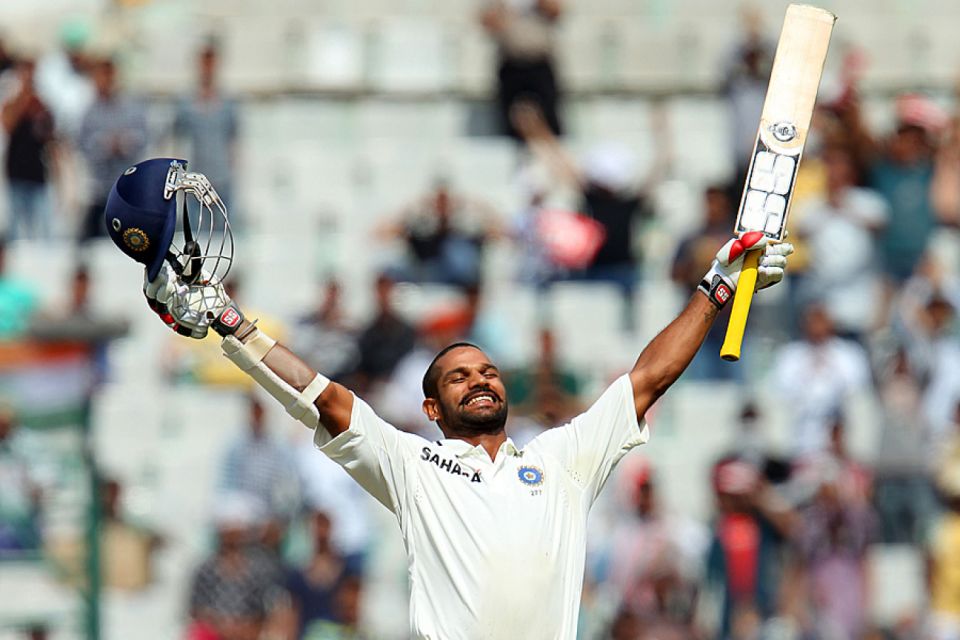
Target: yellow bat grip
730 351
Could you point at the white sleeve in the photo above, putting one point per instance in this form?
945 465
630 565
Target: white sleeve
871 208
593 442
374 453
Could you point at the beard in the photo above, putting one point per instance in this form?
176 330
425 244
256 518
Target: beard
461 420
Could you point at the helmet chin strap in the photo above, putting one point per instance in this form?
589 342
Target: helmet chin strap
191 250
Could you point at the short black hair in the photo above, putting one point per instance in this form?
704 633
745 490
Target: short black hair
432 375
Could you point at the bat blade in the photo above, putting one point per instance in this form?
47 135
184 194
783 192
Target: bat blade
784 124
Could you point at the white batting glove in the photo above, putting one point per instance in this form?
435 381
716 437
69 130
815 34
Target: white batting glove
191 310
720 282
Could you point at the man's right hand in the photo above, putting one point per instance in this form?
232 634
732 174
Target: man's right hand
191 310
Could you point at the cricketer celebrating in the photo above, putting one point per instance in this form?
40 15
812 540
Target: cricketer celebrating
495 535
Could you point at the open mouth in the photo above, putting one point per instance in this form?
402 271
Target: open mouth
483 398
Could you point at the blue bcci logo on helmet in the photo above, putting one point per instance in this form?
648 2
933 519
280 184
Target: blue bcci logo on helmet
530 476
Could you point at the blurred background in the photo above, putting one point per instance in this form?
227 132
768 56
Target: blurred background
547 178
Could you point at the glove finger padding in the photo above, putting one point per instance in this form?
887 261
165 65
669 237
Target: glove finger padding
772 264
162 287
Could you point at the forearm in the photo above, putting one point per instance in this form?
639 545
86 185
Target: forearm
334 404
12 112
668 354
549 150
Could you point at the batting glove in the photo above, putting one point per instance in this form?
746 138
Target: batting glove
720 282
191 310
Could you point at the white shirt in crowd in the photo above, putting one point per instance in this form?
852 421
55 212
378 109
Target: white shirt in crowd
816 381
844 272
496 548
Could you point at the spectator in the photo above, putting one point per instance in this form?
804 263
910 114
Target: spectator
524 33
325 337
315 588
347 618
6 60
236 593
904 500
30 156
749 443
207 121
848 216
945 187
693 256
386 339
127 547
744 558
835 531
20 492
903 175
18 299
745 81
327 488
943 550
260 467
925 317
815 376
545 394
113 136
63 79
609 193
653 558
444 235
539 263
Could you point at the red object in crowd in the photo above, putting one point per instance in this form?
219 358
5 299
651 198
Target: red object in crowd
739 537
570 238
201 631
735 477
920 111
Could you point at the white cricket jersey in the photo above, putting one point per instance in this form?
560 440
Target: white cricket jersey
496 548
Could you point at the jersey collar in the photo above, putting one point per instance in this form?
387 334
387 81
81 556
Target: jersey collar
463 449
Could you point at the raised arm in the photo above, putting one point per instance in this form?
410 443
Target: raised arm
335 402
669 354
306 394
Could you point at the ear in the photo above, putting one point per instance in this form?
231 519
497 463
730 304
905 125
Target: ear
431 409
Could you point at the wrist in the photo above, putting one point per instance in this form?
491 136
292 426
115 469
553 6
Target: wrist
717 288
230 320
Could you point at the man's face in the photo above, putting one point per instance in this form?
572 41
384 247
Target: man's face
840 169
718 208
257 426
104 78
208 67
645 499
817 325
471 397
6 423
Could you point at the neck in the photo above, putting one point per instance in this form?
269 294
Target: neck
489 441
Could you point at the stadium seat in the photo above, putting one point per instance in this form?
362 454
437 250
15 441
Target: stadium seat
410 56
260 53
699 138
333 56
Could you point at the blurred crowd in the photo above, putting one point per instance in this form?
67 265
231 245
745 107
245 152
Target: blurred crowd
869 310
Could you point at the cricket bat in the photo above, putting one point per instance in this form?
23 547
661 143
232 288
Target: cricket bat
784 123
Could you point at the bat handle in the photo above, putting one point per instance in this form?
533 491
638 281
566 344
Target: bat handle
730 351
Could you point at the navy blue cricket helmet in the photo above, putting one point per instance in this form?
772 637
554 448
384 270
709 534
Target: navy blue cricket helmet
142 214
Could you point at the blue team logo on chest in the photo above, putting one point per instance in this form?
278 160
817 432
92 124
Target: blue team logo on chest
530 476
